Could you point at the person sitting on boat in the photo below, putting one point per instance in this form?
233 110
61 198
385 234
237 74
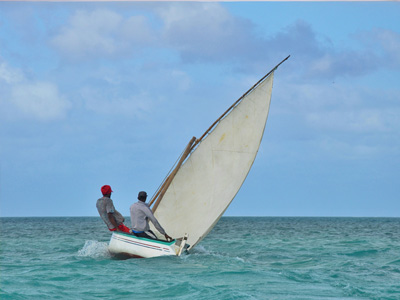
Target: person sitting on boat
113 218
140 216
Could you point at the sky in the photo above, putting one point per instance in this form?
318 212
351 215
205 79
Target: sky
111 92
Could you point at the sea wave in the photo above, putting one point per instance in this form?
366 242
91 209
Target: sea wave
94 249
243 258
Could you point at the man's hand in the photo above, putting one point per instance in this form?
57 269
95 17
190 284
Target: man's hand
168 238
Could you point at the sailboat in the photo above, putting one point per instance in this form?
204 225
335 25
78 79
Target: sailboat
206 177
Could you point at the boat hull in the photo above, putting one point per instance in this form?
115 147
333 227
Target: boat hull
124 245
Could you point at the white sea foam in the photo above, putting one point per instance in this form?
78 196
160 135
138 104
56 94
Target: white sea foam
94 249
200 249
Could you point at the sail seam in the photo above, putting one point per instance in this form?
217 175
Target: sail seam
232 151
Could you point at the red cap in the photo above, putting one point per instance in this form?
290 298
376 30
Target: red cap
106 189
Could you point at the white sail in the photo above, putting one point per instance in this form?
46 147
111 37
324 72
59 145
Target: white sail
209 179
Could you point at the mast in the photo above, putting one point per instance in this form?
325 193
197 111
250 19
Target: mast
161 191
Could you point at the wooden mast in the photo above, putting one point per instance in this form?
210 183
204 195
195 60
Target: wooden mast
162 190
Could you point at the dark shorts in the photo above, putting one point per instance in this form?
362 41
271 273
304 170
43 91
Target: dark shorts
144 235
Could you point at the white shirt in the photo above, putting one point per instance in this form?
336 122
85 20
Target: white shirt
140 216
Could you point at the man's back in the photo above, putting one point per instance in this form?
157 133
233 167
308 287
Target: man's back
104 207
140 213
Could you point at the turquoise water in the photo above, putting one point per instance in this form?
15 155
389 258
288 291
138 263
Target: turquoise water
242 258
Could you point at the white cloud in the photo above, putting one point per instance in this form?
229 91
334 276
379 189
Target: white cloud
89 33
339 121
10 75
348 150
206 31
137 29
390 43
181 79
209 32
40 100
196 30
102 33
37 100
347 63
343 109
378 49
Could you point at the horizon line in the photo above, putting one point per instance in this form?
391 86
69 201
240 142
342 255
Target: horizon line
233 216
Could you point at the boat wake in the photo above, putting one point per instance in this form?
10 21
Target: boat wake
94 249
200 250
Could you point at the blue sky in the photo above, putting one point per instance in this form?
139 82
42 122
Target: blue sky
111 93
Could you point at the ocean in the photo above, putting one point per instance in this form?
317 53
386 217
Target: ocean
242 258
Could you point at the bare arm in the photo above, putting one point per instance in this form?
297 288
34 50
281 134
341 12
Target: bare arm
112 219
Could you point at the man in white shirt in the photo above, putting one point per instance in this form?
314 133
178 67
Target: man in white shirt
140 216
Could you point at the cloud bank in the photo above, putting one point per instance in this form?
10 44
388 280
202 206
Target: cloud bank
208 32
30 99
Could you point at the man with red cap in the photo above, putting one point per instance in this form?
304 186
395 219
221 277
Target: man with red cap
113 218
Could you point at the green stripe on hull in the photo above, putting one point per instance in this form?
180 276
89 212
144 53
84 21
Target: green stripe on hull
145 239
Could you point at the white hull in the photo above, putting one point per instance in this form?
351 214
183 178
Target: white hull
125 245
